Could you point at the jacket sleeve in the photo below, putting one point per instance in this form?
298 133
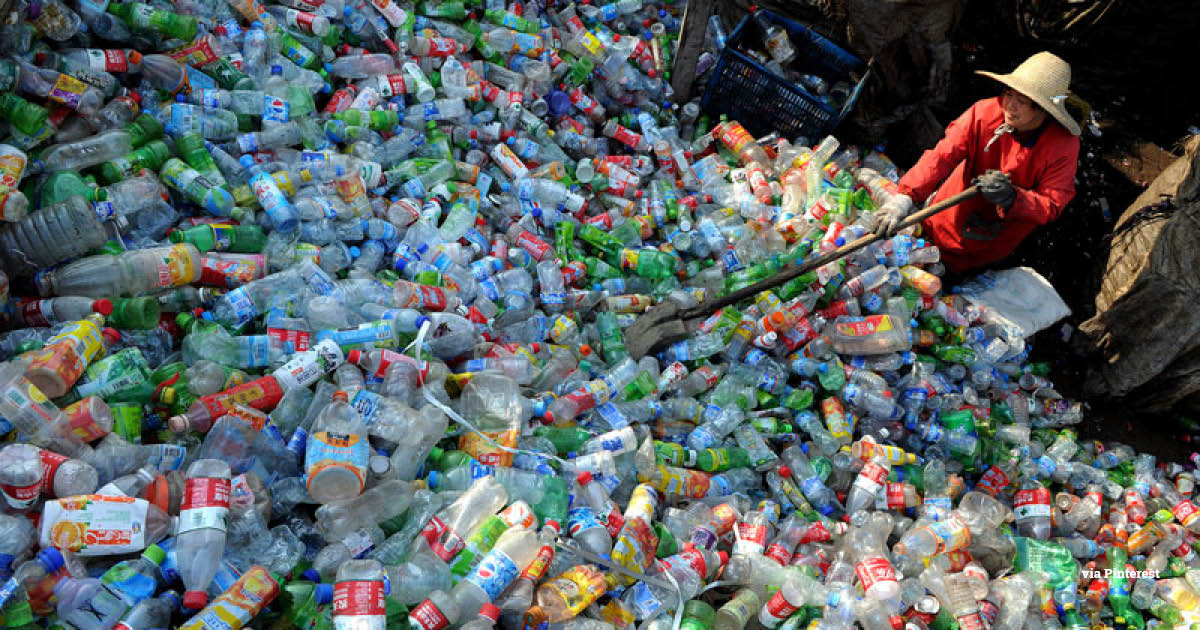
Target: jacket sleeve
937 163
1042 203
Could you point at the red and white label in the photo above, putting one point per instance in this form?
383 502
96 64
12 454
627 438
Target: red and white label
21 497
360 598
892 497
816 532
874 570
36 312
299 339
205 504
779 607
614 521
779 554
1185 512
50 463
994 481
751 539
871 478
444 542
1032 503
107 60
428 616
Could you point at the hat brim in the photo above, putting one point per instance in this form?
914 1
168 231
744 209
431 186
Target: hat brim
1056 110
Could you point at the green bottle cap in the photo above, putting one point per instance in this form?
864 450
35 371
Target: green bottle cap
154 554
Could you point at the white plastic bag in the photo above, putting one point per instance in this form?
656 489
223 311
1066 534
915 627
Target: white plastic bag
1018 297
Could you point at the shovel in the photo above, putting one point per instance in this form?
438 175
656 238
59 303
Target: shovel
664 324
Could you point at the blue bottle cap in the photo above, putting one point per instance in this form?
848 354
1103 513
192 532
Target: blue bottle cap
276 69
311 575
421 321
246 161
510 140
355 252
256 24
431 480
323 594
51 559
180 98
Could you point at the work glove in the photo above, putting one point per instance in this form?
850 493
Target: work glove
996 188
890 214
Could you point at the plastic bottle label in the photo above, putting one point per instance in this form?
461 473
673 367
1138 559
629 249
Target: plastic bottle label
863 326
445 542
428 616
166 457
1185 512
129 585
326 450
242 306
205 505
645 604
892 497
67 90
870 479
582 519
751 539
358 599
494 573
874 570
1032 503
778 607
21 497
95 525
951 534
176 267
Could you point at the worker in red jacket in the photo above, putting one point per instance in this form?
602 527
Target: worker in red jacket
1021 148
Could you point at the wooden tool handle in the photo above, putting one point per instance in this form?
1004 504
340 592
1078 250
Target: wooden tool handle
711 306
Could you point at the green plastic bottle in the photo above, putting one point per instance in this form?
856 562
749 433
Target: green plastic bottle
143 17
143 129
26 116
243 239
151 156
565 439
139 313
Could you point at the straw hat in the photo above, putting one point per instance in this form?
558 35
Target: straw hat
1044 78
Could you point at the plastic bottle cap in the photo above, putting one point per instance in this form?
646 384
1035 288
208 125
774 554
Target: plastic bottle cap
180 98
784 471
154 554
104 306
51 558
136 96
178 424
256 24
323 594
341 395
584 478
553 524
431 479
311 575
490 610
421 321
277 69
195 600
111 335
246 161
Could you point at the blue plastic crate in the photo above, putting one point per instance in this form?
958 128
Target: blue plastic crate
762 101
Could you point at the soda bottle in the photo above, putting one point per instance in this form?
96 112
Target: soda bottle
359 600
200 535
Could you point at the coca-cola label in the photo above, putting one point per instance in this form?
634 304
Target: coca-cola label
993 481
1185 512
50 463
205 504
1032 503
874 570
21 497
870 479
779 607
779 554
360 598
428 616
892 497
751 538
444 542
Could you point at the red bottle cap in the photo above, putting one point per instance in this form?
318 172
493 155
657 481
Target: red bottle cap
103 306
784 471
584 478
195 600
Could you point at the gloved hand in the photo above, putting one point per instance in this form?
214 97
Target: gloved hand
996 188
888 216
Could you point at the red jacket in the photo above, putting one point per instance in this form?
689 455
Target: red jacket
976 232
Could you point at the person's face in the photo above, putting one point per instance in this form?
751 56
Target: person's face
1020 111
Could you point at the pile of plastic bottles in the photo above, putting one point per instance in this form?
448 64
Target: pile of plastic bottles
319 322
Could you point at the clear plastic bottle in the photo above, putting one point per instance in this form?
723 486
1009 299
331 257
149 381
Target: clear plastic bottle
200 537
129 273
337 453
51 235
359 600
